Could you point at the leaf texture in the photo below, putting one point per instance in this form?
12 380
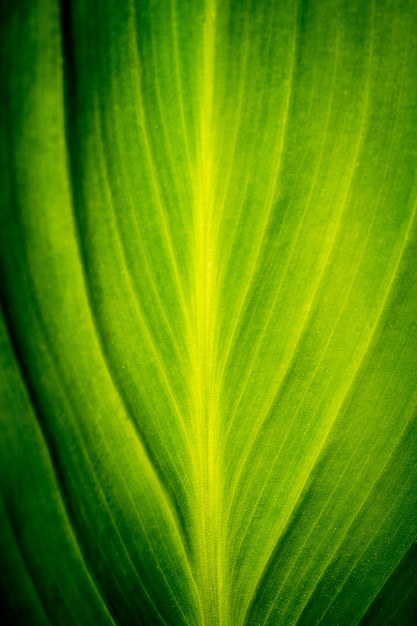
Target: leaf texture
209 312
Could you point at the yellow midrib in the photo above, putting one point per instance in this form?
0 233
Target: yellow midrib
208 513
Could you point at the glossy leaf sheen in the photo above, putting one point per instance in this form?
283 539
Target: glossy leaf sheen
208 339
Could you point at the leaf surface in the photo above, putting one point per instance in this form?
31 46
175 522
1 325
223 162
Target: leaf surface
208 285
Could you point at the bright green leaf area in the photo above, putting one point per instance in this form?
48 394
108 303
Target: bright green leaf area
208 343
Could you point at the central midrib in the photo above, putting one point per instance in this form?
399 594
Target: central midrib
208 462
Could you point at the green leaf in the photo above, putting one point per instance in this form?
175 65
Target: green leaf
209 312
